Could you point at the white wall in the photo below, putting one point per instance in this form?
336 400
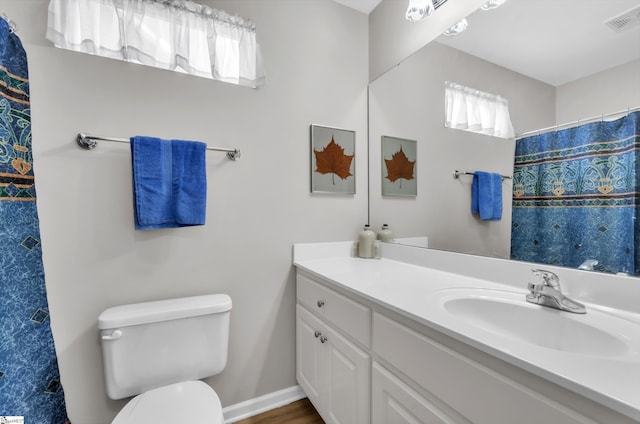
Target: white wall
317 72
408 102
392 38
609 91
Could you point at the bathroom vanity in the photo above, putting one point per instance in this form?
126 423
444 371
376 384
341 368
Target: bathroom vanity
403 339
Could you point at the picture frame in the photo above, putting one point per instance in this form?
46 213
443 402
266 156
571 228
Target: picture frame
333 160
399 167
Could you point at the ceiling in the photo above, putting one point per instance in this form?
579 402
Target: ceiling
364 6
554 41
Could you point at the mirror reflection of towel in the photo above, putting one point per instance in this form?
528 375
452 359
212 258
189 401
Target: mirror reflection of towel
486 195
169 182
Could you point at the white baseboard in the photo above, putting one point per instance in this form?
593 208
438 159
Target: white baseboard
255 406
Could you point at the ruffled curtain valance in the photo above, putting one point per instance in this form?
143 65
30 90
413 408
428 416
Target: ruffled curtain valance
477 111
177 35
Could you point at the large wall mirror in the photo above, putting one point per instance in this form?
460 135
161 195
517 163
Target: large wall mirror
556 61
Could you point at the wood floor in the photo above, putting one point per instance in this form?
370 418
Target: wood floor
300 412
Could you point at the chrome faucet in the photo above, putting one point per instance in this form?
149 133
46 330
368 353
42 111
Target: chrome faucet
588 265
548 293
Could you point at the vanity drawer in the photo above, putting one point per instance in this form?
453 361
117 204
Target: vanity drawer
347 315
478 393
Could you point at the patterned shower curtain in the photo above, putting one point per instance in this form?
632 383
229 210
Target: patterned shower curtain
29 380
576 196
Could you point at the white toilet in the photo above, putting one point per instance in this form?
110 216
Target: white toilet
158 351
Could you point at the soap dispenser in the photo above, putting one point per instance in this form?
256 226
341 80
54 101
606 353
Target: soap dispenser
365 242
385 234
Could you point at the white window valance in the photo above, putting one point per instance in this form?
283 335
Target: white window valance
178 35
473 110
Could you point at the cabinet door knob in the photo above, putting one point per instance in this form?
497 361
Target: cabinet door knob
317 334
323 339
320 303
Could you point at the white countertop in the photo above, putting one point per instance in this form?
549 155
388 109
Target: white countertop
412 290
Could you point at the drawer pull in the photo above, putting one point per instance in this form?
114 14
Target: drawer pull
320 303
317 334
323 339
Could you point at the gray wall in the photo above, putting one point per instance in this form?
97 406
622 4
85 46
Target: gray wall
317 72
608 91
408 102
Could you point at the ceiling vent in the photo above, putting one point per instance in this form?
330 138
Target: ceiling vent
438 3
627 20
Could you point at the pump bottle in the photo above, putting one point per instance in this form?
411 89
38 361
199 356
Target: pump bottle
365 242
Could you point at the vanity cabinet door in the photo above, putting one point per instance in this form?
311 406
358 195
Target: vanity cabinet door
332 371
308 351
347 370
394 402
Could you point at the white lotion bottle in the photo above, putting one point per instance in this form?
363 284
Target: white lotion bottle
365 242
385 234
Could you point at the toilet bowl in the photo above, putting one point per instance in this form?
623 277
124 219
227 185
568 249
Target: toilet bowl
192 402
158 352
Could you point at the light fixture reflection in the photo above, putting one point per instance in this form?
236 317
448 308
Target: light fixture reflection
419 9
492 4
457 28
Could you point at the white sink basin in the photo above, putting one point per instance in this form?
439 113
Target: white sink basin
508 314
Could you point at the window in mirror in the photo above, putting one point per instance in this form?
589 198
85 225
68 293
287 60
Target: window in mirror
477 111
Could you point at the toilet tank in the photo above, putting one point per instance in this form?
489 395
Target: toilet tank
153 344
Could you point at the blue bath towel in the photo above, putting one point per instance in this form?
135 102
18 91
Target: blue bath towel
169 182
486 195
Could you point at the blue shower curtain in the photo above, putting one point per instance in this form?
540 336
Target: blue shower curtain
575 196
29 380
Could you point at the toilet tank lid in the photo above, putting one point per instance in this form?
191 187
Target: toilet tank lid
163 310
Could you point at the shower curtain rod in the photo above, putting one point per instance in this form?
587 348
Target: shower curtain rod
578 122
89 142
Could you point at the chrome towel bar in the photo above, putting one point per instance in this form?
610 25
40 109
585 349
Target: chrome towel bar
89 142
456 175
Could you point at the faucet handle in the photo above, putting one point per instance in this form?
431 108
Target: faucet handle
533 288
548 278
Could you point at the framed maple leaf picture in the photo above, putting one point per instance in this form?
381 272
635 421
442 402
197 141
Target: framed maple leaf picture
333 160
399 167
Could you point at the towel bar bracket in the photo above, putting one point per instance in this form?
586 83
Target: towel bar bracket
456 174
86 142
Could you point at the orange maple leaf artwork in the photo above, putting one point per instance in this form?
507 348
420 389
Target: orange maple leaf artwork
399 166
332 160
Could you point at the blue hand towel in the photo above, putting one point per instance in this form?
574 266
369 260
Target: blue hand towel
189 181
486 195
169 183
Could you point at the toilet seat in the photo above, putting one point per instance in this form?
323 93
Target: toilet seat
193 402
